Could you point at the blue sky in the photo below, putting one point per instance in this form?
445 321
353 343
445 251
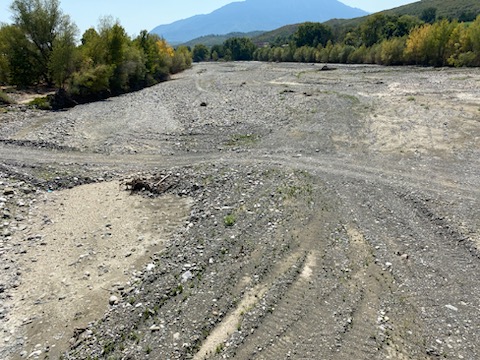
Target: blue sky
138 15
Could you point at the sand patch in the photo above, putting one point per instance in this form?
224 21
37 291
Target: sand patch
88 242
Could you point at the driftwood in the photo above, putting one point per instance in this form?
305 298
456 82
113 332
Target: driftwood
148 185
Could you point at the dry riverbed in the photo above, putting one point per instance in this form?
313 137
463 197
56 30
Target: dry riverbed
248 211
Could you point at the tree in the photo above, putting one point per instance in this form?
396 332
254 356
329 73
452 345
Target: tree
41 21
419 46
200 53
467 16
217 52
391 51
430 44
182 59
312 34
429 15
16 52
239 48
441 32
375 29
62 59
157 62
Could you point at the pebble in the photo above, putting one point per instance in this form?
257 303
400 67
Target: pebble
35 354
451 307
8 191
150 267
113 300
187 275
154 328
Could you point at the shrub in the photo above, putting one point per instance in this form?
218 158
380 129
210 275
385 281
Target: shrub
92 82
229 220
4 99
41 103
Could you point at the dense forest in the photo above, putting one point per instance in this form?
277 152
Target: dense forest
380 39
41 46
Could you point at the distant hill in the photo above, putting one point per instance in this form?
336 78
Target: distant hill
211 40
277 35
255 15
450 9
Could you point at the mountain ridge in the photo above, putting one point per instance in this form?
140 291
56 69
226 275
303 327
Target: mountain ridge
254 15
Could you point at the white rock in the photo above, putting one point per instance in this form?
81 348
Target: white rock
154 328
35 354
187 275
113 300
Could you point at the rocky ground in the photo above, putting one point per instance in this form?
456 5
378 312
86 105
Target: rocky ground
248 211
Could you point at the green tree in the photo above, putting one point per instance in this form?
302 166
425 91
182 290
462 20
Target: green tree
467 45
41 21
474 36
239 48
16 52
312 34
157 63
429 15
116 43
62 59
375 29
182 59
200 53
441 32
92 47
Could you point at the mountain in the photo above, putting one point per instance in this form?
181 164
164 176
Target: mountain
450 9
462 10
255 15
210 40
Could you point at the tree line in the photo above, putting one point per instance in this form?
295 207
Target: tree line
41 47
381 39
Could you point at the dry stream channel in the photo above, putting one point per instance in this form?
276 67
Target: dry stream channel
247 211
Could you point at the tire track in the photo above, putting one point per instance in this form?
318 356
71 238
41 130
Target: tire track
328 165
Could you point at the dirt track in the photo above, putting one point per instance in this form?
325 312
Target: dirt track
302 214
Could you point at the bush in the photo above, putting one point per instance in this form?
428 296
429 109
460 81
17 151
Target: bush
91 83
41 103
229 220
4 99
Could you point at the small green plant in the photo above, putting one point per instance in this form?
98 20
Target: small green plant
41 103
148 350
135 337
108 347
410 98
229 220
242 139
219 348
